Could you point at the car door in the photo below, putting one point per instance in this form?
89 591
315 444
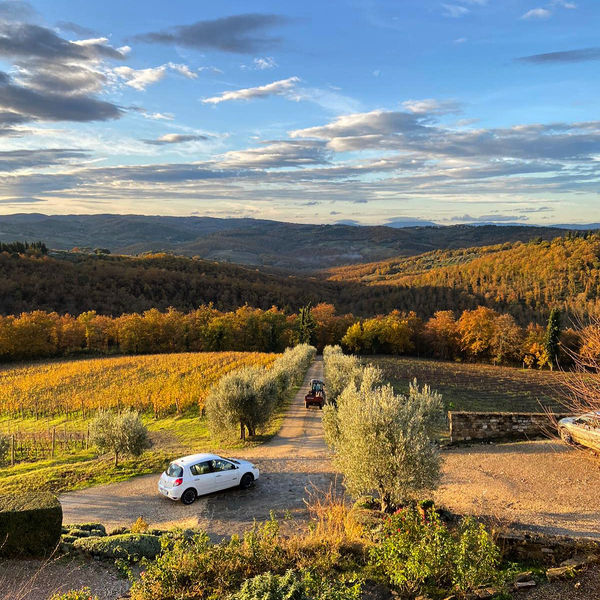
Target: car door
203 477
226 474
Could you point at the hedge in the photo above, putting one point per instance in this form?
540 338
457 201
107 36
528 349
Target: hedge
29 525
127 545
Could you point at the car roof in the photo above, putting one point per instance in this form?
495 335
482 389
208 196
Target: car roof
193 458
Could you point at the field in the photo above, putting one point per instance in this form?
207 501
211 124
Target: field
45 408
478 387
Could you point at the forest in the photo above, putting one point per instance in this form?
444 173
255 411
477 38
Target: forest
479 335
523 279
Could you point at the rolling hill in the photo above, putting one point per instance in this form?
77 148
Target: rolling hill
522 278
272 244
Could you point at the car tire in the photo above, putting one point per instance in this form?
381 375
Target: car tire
188 496
320 407
246 481
565 436
306 404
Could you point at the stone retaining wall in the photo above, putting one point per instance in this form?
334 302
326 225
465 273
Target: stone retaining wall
468 426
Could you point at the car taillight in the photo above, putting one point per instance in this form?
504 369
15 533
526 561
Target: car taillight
177 482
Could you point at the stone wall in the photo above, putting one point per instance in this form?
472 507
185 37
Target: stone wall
467 426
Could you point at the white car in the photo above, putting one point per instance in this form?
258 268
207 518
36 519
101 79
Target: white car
583 430
191 476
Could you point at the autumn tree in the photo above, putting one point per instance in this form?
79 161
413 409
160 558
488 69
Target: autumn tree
441 335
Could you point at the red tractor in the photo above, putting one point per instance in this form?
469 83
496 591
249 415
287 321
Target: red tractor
316 395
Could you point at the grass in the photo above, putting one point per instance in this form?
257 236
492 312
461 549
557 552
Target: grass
478 387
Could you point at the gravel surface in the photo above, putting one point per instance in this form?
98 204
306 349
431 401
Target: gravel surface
583 587
37 580
294 460
542 485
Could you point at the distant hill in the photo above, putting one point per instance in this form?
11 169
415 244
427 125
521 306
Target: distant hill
522 278
262 243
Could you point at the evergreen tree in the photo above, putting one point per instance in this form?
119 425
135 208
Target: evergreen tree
552 337
306 325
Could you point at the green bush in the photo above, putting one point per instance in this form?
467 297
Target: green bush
418 553
91 527
295 586
120 434
131 546
29 525
82 594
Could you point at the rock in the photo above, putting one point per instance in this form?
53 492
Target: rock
485 593
524 576
560 573
524 585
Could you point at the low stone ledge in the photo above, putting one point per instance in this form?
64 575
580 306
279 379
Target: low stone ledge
481 426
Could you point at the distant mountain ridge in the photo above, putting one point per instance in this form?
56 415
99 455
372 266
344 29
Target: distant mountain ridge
256 242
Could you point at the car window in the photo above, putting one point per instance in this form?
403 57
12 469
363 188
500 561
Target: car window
201 468
222 465
175 470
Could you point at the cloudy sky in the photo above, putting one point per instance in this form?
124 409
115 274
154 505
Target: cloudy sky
366 111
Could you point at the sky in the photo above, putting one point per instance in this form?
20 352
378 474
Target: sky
357 111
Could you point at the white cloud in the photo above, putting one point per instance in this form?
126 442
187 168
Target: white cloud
140 79
537 14
455 10
182 70
267 62
277 88
431 106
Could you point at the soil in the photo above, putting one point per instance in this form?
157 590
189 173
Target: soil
540 485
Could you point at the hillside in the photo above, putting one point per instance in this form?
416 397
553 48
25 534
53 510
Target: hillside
262 243
522 278
112 285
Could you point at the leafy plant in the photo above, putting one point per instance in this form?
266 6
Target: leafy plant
119 433
81 594
418 552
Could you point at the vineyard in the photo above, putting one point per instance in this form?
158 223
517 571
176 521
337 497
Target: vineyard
160 384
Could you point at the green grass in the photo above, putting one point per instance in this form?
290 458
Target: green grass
478 387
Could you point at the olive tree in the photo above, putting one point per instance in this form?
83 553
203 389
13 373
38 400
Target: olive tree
120 434
244 398
383 442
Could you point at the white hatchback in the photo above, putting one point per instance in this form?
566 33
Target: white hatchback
191 476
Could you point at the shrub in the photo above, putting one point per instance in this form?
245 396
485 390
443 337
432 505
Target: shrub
419 553
293 585
82 594
119 433
140 526
131 546
383 442
29 525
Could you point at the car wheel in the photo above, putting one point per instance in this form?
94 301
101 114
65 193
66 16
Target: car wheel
306 404
565 436
246 481
320 407
188 496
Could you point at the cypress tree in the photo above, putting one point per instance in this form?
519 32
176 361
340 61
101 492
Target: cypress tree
552 337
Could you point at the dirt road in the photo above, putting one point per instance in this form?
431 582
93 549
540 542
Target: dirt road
295 459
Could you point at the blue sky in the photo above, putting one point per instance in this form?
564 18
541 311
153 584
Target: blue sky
365 111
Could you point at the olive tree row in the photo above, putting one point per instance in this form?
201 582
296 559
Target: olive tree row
383 442
245 399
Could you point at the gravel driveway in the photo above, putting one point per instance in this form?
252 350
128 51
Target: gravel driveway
296 458
542 485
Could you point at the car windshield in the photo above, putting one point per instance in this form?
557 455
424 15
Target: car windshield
175 470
